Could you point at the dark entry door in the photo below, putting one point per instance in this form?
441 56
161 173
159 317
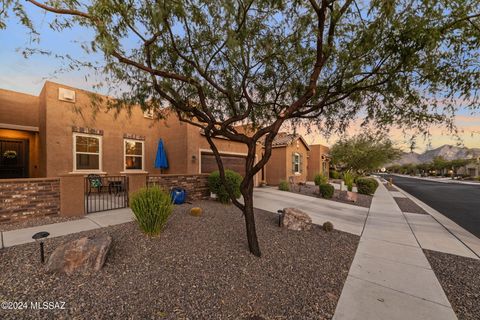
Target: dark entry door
13 159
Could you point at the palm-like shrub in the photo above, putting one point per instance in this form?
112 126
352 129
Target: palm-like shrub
348 179
151 207
233 180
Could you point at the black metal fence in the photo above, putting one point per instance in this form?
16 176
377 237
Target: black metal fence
104 193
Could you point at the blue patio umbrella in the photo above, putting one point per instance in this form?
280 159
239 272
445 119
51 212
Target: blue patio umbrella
161 161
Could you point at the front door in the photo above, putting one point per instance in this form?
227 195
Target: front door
13 159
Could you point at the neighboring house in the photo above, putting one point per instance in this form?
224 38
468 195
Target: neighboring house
318 161
288 159
471 169
61 132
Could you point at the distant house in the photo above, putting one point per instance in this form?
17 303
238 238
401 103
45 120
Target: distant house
318 161
288 159
59 132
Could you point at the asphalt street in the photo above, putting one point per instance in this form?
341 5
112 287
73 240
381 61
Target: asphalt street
459 202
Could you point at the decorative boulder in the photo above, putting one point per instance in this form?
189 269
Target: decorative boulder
82 255
296 219
196 211
351 196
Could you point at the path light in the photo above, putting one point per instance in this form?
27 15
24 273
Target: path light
39 237
280 214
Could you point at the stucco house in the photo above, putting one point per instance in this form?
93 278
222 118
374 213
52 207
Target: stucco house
318 161
288 159
60 132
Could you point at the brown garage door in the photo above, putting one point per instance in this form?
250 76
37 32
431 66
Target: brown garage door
235 163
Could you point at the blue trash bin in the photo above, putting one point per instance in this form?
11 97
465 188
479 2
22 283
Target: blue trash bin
178 195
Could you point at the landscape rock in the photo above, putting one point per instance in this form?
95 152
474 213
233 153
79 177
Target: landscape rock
296 219
81 255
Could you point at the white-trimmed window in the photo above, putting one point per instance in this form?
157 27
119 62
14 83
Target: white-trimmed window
87 152
133 154
296 163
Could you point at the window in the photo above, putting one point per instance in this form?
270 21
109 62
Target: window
133 155
297 164
87 151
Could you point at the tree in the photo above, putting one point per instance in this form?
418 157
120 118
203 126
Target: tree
363 152
219 64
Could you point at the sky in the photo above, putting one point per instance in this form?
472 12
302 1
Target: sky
29 75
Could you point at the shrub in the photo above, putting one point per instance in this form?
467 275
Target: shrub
320 179
151 208
327 190
283 185
196 211
348 180
334 174
233 180
367 186
327 226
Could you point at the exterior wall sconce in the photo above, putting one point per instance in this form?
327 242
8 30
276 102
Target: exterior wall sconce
194 158
40 237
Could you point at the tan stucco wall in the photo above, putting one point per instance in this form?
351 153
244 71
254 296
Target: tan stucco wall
18 108
279 166
315 160
61 116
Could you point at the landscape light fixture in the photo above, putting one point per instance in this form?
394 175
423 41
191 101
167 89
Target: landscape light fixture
39 237
280 214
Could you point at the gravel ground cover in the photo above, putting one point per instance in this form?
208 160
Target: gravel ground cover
198 268
34 222
407 205
459 277
339 196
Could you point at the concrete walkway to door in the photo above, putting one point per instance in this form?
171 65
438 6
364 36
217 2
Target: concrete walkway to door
89 222
390 277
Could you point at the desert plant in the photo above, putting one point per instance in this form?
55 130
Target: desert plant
334 174
327 226
233 180
283 185
348 180
326 190
367 186
196 211
151 207
320 179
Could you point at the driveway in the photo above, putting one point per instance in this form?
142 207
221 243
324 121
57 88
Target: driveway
459 202
345 217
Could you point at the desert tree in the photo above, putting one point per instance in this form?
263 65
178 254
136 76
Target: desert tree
364 152
222 63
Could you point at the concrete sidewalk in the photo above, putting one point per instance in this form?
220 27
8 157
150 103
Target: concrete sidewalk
390 277
345 217
89 222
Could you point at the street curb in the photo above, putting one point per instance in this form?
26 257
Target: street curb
438 181
468 239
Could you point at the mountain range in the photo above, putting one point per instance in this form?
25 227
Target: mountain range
448 152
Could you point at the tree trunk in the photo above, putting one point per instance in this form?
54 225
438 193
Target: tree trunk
249 215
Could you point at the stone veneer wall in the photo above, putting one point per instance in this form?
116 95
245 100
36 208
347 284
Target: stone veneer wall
196 185
24 198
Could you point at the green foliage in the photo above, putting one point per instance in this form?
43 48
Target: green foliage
327 226
326 190
363 152
283 185
151 207
320 179
334 174
367 186
233 180
348 179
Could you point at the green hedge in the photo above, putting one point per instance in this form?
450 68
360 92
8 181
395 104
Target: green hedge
334 174
320 179
283 185
326 190
151 208
216 186
367 185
